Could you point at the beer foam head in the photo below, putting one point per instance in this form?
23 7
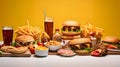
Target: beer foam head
47 19
7 28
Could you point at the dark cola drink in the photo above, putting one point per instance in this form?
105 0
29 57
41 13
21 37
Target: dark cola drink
7 35
48 24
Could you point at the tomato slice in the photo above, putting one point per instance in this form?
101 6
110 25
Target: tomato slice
112 47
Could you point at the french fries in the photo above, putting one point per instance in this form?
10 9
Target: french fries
45 34
89 29
53 43
28 30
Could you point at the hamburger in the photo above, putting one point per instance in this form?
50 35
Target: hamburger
70 30
112 42
24 40
81 46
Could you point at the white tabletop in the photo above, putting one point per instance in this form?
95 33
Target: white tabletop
58 61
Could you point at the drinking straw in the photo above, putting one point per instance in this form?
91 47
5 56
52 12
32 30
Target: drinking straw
44 13
28 22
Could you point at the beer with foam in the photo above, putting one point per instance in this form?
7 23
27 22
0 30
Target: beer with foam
48 26
7 33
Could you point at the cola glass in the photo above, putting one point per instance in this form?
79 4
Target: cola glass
48 26
7 35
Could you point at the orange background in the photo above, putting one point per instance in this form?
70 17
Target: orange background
103 13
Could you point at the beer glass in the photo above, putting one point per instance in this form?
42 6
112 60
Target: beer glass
7 35
48 25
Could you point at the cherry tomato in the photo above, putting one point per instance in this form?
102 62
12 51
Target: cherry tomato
32 49
40 44
92 34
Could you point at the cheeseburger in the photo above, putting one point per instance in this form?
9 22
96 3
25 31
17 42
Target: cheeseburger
24 40
71 30
112 41
81 45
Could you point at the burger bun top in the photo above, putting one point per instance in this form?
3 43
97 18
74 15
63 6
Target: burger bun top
71 23
111 39
24 39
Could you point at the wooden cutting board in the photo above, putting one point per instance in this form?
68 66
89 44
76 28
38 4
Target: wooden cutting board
26 54
113 52
108 53
52 53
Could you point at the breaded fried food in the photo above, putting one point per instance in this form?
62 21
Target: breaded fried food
19 50
14 50
7 48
